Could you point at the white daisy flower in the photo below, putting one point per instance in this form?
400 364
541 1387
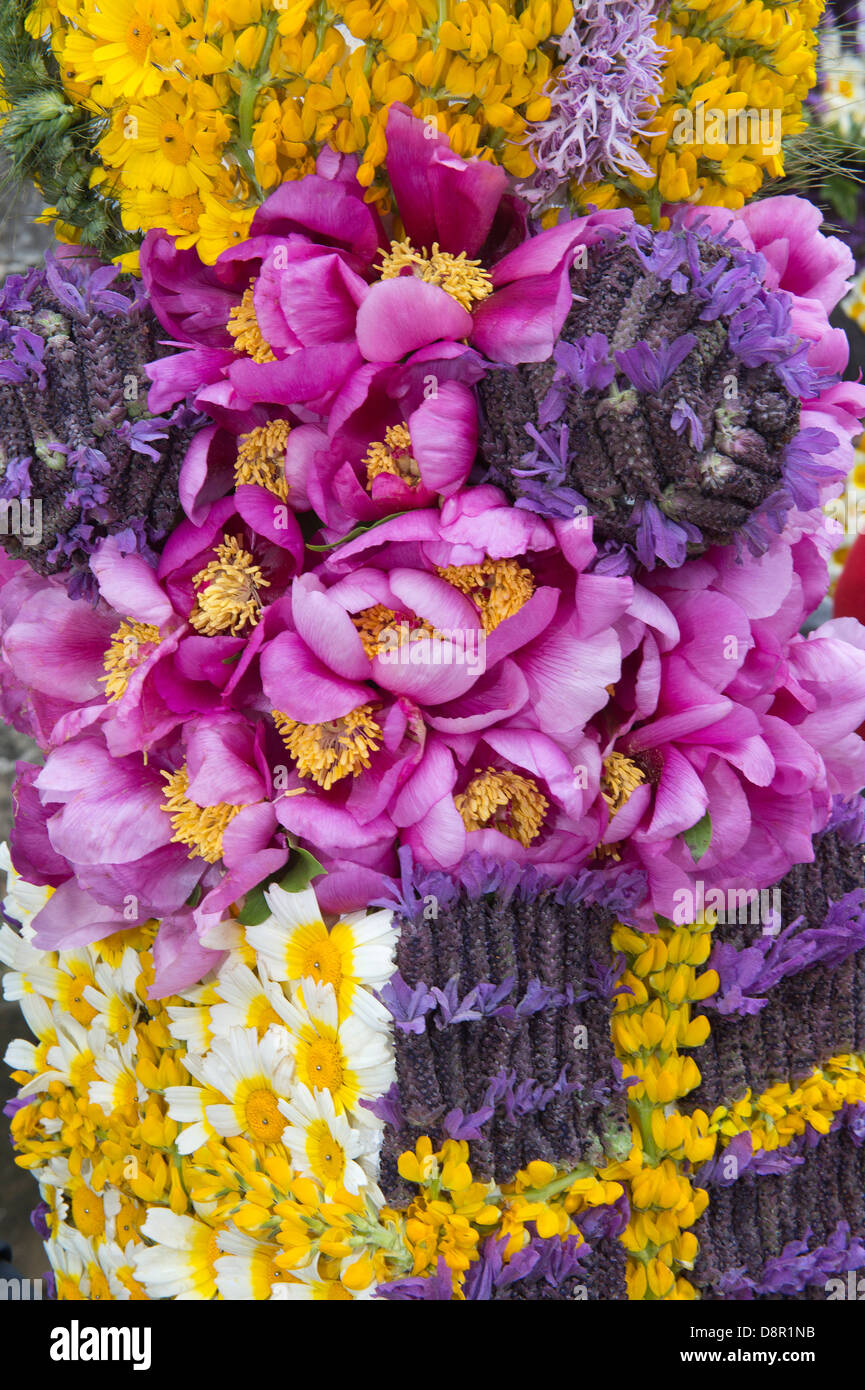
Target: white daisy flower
252 1074
72 1059
23 1055
325 1146
247 1002
63 977
349 1059
113 995
117 1087
191 1025
23 900
246 1271
295 944
181 1261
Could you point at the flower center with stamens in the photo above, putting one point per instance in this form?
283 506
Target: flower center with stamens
394 456
243 327
230 598
88 1212
380 628
320 1065
263 1116
326 1156
261 458
131 644
497 588
328 752
501 800
139 37
464 280
199 827
175 146
620 777
186 211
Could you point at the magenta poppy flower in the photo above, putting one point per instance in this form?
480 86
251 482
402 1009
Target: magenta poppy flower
727 713
398 436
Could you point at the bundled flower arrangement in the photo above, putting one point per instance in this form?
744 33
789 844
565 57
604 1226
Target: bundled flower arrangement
443 877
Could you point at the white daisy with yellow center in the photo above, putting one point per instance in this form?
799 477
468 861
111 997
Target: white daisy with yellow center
351 1058
252 1074
113 996
117 1088
245 1272
23 1055
72 1059
295 944
181 1261
63 976
327 1146
247 1001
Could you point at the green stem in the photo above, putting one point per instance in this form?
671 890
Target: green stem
552 1189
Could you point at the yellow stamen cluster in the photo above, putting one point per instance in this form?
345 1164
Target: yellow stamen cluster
243 327
261 458
130 645
620 777
650 1026
499 799
329 752
464 280
199 827
497 588
229 599
377 626
393 456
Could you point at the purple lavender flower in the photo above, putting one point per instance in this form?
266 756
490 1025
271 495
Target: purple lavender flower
602 99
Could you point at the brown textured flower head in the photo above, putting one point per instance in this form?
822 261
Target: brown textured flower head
669 412
81 457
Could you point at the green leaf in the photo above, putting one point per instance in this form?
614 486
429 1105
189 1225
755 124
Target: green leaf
255 908
843 194
699 837
302 867
355 532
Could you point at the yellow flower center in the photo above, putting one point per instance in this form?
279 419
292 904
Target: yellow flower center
199 827
373 623
322 962
497 588
620 777
175 146
131 644
263 1118
72 999
186 211
394 456
129 1219
244 329
88 1213
139 37
505 801
328 752
229 599
321 1064
326 1156
464 280
262 1015
261 458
